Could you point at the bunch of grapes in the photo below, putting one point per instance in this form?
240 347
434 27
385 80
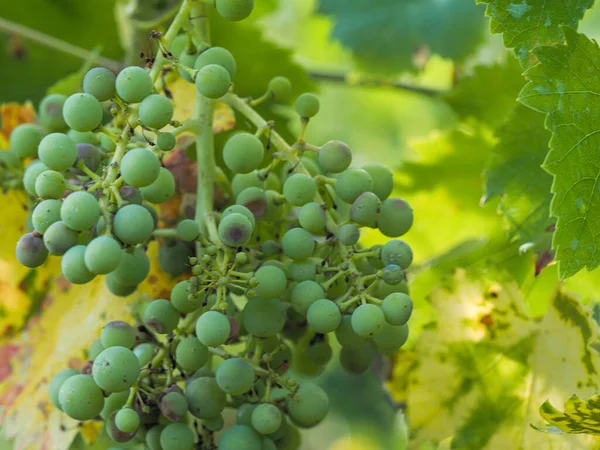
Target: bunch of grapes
277 271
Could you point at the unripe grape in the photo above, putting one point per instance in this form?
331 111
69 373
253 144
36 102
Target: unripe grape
156 111
32 171
90 156
303 270
116 369
45 214
117 334
298 244
51 112
393 274
161 316
266 418
396 217
80 211
351 183
397 252
309 406
73 266
335 157
153 437
56 383
84 137
307 105
213 81
133 84
390 338
213 328
140 167
25 139
272 282
367 320
188 230
365 209
234 10
132 269
177 436
263 318
357 360
59 238
323 316
191 354
133 224
235 230
242 181
383 179
241 210
348 234
144 353
127 420
219 56
118 289
243 153
166 141
312 218
80 398
346 335
299 189
103 255
162 189
50 184
57 151
100 82
235 376
205 399
82 112
305 294
281 88
187 58
397 308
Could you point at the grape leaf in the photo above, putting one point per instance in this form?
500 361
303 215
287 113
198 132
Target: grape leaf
514 172
526 24
566 86
579 416
481 368
384 35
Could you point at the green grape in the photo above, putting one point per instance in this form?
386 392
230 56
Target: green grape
139 167
263 318
95 349
268 444
174 257
85 237
50 184
319 352
307 105
51 112
32 171
383 179
357 360
205 399
375 261
396 217
73 266
213 328
323 316
153 437
103 255
397 252
235 376
108 145
305 163
57 151
90 156
397 308
166 141
174 406
281 88
234 10
191 354
273 182
82 112
393 274
346 335
133 224
241 181
156 111
312 218
269 248
391 338
365 209
187 58
24 140
59 238
305 294
235 230
291 440
127 420
179 44
45 214
272 282
335 157
184 300
118 289
298 244
266 418
240 437
215 424
99 82
275 206
117 334
132 269
244 414
241 210
188 230
56 382
299 189
116 369
80 211
213 81
177 436
243 153
162 189
367 320
161 317
254 199
348 234
80 398
303 270
351 183
309 406
133 84
219 56
144 353
83 137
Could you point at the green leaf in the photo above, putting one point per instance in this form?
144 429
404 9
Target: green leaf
566 86
579 416
515 174
385 34
526 24
489 93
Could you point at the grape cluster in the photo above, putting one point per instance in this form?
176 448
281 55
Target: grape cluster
276 270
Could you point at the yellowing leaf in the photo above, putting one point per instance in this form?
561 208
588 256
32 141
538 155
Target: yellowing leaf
13 114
